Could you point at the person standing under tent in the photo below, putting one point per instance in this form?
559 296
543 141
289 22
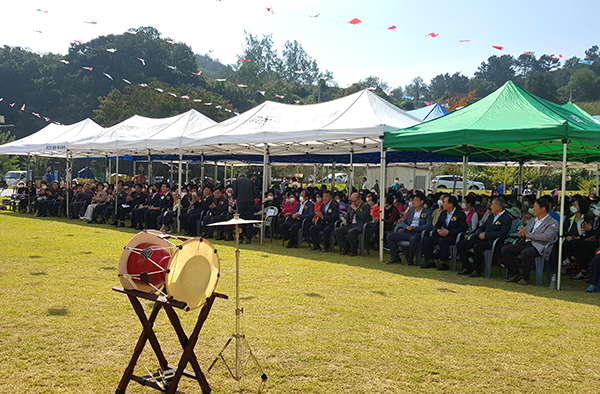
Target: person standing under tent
365 185
244 193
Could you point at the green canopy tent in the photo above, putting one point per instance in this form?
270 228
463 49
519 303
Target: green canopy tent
508 124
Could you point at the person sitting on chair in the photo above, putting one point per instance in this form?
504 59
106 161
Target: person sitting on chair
417 220
138 215
451 222
81 200
497 226
135 199
217 212
305 209
188 220
533 239
328 214
359 213
165 202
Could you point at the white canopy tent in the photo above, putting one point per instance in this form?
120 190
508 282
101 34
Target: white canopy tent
353 123
53 140
142 135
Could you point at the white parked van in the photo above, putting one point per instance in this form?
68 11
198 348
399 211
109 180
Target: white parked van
447 181
12 177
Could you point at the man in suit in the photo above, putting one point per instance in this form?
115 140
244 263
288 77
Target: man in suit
244 193
135 199
497 226
165 201
452 221
138 214
359 213
217 212
533 239
417 220
326 218
305 209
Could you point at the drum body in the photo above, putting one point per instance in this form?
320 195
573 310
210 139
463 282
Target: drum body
158 251
194 272
189 270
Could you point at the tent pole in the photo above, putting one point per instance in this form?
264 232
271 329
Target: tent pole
265 182
465 180
597 179
68 177
520 188
504 183
414 178
333 176
179 190
107 170
351 180
382 200
133 170
171 177
116 182
149 167
202 168
562 212
216 173
187 172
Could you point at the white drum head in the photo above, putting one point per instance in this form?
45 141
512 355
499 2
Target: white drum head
193 272
144 237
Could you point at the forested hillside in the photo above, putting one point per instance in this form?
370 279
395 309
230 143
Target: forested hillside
111 78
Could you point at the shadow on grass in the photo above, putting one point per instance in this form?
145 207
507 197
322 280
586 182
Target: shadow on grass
58 311
36 273
314 295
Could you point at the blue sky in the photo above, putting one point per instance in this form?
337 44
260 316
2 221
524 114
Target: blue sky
350 52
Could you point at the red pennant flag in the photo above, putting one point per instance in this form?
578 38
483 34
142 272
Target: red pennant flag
244 60
355 21
432 35
78 42
427 103
392 28
498 47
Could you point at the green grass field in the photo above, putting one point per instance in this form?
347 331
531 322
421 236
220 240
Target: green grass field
318 323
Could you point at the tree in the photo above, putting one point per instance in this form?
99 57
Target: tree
135 100
447 85
481 87
7 163
263 64
583 85
541 84
417 89
526 63
461 100
498 69
373 82
547 64
571 62
297 66
593 53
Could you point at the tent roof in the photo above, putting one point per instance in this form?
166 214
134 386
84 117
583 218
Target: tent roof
429 112
509 123
139 134
354 122
52 140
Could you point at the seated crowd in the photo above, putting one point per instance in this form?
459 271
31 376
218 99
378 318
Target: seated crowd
428 227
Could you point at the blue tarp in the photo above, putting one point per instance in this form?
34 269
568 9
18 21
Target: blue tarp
430 112
342 159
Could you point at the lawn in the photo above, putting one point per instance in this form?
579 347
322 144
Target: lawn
318 323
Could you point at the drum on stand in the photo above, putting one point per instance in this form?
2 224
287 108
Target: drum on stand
188 271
